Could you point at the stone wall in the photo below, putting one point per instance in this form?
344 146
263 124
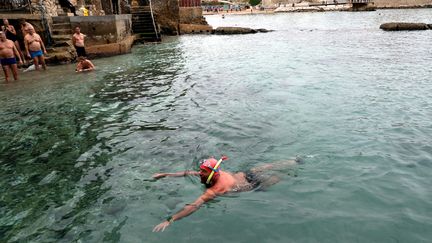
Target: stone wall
401 3
104 29
53 7
191 15
192 21
167 16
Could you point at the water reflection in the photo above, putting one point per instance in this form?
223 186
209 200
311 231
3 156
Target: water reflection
54 156
77 152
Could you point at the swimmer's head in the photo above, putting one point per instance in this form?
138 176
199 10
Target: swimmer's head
80 58
206 167
77 29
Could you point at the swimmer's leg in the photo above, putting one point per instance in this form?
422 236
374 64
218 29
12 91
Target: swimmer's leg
42 61
36 63
6 72
267 182
284 164
14 68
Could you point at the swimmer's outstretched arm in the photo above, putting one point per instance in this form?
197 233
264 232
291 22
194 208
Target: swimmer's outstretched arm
187 210
176 174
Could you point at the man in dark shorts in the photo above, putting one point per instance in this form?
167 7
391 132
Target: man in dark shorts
78 42
219 182
11 34
8 52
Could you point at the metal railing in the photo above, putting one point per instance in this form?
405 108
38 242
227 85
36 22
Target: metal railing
15 5
154 23
361 1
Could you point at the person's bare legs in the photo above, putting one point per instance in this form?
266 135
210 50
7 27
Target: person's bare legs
269 181
274 166
6 72
19 51
36 62
266 175
42 61
14 68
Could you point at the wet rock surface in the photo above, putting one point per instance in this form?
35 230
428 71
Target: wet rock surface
399 26
237 31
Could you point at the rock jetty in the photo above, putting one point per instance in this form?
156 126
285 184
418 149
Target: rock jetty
398 26
237 30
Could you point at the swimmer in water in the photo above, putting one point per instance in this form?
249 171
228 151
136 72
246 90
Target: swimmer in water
84 65
220 182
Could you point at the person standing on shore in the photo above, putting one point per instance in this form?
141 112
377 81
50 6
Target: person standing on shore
11 34
25 27
35 48
8 52
78 42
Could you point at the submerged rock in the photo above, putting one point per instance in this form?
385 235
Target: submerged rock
237 30
395 26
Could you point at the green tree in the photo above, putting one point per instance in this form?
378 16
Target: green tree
254 2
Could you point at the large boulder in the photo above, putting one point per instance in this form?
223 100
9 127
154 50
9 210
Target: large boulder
233 30
395 26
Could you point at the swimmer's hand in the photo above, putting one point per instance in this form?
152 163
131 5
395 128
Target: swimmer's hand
161 226
159 175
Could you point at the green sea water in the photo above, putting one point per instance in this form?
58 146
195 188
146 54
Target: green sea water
352 101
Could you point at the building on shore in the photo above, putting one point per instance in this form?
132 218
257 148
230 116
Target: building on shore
111 26
54 20
376 3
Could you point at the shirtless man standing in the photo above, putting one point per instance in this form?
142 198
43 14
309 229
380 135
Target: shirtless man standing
25 27
11 34
78 42
219 182
34 46
8 52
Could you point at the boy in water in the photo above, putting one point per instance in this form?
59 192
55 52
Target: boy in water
35 48
8 52
84 65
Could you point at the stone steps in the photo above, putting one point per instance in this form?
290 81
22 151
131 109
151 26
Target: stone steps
140 8
57 49
62 26
61 20
62 32
142 23
61 38
144 29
